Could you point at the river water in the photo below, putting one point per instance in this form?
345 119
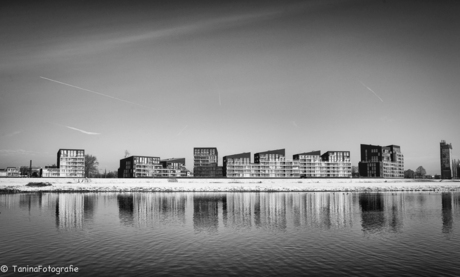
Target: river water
223 234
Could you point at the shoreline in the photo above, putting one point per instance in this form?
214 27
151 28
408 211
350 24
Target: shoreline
19 185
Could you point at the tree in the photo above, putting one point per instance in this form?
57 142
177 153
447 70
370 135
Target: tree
91 165
354 171
420 172
409 174
126 153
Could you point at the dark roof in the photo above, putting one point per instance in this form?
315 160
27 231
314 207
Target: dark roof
132 157
241 155
318 152
172 159
278 151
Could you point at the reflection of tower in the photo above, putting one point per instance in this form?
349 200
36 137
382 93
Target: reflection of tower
372 211
69 211
125 208
447 212
88 206
205 213
394 211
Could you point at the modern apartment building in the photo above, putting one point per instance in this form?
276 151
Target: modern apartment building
266 164
174 167
238 165
381 161
332 164
71 162
446 162
139 167
205 162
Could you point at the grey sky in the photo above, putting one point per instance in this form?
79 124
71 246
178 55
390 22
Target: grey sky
243 76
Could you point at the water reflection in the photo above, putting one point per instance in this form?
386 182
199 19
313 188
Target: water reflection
278 212
72 210
206 212
446 212
382 212
144 210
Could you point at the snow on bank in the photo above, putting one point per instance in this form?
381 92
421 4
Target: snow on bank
220 185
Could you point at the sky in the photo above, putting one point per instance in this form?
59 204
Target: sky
158 78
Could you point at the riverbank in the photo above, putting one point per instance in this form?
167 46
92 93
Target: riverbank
11 185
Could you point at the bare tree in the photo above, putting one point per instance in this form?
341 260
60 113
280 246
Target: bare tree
91 164
420 172
409 174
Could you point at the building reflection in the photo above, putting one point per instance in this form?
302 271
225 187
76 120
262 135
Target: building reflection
73 209
272 211
144 210
206 212
447 219
382 212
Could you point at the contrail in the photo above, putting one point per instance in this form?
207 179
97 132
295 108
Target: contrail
83 131
370 90
92 91
182 130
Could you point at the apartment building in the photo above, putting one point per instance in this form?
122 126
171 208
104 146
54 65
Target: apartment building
12 172
266 164
174 167
446 161
237 165
139 167
331 164
50 171
71 162
205 162
381 161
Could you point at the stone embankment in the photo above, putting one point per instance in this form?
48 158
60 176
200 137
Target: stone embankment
11 185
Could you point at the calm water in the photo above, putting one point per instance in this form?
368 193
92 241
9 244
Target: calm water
378 234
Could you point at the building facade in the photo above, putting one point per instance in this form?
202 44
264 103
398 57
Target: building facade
12 172
139 167
174 167
381 161
49 171
71 162
332 164
205 162
446 162
266 164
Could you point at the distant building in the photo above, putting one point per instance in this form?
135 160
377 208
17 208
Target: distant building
446 162
205 161
12 172
139 167
266 164
381 161
50 171
174 167
71 162
238 165
3 172
332 164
